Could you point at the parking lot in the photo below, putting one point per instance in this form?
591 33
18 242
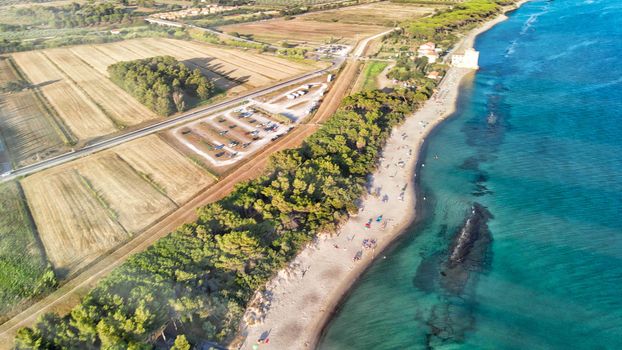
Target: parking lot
223 139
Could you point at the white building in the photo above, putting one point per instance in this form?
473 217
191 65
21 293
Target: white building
428 50
469 59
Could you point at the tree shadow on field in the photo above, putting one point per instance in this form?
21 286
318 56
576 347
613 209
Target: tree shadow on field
221 77
45 83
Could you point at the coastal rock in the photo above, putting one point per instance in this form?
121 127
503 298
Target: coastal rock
469 252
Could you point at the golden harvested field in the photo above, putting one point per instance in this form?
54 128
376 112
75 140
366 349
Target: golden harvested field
27 130
83 117
116 103
135 202
73 225
380 13
300 30
228 66
75 80
96 59
253 69
6 74
169 169
85 208
222 81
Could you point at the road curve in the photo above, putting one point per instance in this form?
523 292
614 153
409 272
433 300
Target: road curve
360 48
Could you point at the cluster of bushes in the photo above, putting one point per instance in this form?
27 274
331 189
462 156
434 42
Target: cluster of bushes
238 15
34 39
201 276
445 22
216 40
414 71
76 15
14 86
293 52
161 83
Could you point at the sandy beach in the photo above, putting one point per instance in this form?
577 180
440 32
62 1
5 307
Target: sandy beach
298 302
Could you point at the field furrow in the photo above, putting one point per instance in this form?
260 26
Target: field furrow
117 52
221 65
97 60
227 59
117 103
244 62
77 110
29 133
73 225
135 202
178 177
26 129
299 30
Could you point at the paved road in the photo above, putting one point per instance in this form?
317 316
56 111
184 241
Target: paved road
215 32
362 45
114 141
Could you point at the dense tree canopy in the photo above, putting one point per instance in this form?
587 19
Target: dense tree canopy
445 22
161 83
76 15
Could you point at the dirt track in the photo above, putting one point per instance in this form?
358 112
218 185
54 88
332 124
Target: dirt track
337 92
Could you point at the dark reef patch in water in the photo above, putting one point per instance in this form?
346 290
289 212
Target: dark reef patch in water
454 273
470 251
480 188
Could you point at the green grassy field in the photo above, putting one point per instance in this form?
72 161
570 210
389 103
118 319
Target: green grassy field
24 271
370 72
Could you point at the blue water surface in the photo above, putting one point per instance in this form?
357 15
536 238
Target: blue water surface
537 140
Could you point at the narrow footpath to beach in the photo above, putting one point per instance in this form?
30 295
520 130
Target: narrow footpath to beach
300 299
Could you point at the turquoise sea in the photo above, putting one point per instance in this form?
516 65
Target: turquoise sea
537 141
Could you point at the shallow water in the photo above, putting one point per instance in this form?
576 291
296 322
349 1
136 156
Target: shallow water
537 141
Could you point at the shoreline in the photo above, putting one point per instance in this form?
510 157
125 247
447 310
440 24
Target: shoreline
299 302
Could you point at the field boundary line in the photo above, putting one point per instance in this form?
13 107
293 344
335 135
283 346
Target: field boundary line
50 113
118 125
25 210
147 178
110 212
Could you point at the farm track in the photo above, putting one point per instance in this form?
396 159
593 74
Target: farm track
337 92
